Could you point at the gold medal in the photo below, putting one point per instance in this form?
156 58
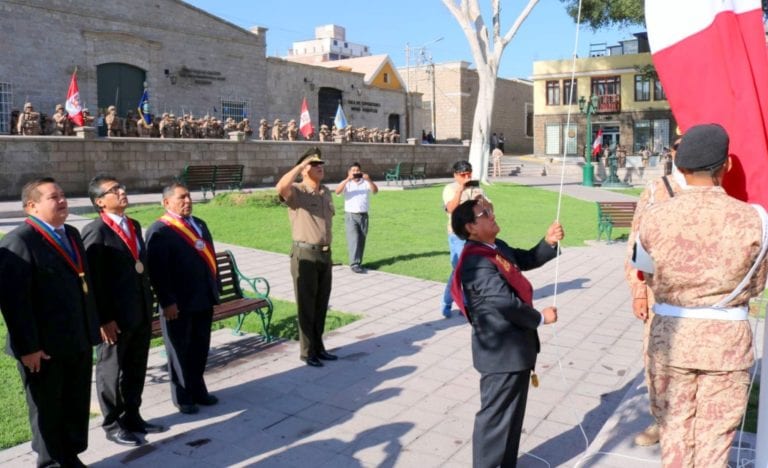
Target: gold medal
139 267
84 283
199 244
534 379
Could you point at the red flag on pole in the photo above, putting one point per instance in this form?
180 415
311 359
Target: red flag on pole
711 58
597 145
305 122
74 109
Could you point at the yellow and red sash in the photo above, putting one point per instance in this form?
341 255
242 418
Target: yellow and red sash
188 233
73 259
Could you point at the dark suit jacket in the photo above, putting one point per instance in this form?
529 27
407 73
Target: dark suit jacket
122 294
41 297
504 337
178 274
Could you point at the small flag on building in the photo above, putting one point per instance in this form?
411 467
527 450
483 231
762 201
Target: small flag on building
597 145
144 107
73 106
340 121
305 122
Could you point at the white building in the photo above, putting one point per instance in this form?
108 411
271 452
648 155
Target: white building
330 43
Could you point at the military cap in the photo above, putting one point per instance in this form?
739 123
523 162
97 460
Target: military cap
59 106
313 154
111 108
27 104
702 147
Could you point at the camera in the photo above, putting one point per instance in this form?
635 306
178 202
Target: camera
472 183
357 175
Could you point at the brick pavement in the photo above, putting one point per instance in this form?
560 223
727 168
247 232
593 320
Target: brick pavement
404 391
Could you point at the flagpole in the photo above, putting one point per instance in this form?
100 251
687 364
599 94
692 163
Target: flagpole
761 455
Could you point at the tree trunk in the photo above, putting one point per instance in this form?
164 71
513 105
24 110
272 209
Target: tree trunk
480 147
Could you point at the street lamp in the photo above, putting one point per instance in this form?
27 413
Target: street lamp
588 107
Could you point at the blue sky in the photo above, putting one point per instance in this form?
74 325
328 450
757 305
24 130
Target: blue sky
548 32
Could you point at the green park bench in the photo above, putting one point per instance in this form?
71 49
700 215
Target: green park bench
209 178
233 300
419 171
613 214
395 174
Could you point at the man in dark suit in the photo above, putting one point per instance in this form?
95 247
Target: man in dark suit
182 269
498 302
51 320
117 257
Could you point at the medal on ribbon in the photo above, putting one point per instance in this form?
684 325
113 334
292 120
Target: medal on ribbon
130 239
189 234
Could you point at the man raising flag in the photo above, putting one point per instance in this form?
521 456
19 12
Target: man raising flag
74 109
305 122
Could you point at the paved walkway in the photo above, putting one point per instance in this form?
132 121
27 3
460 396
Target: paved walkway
404 391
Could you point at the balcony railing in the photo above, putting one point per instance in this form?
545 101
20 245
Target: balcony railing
609 103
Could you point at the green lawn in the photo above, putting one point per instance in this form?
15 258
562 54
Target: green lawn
407 233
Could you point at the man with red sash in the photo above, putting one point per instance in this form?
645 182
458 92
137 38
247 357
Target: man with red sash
117 256
51 318
182 269
497 300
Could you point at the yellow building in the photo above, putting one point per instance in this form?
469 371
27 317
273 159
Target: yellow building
632 110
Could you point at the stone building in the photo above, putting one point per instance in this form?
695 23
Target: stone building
449 96
632 109
191 62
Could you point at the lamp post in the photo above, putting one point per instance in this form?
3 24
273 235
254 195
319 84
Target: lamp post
588 107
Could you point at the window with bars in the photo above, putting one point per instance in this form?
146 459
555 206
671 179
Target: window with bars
658 91
553 93
569 136
238 110
5 107
552 138
642 88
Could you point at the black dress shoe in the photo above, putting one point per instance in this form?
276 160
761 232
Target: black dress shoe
326 356
208 400
123 437
312 361
143 427
188 409
72 462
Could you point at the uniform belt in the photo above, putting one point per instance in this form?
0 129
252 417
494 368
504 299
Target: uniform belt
306 245
708 313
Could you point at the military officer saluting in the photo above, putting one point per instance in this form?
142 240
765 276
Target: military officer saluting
29 121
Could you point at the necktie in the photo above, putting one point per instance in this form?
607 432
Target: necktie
64 240
124 226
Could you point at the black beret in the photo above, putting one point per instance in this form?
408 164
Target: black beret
702 147
314 153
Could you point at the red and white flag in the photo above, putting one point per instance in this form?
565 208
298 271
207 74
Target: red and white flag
305 122
597 145
74 109
711 58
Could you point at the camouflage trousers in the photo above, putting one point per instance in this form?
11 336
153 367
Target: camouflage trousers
698 413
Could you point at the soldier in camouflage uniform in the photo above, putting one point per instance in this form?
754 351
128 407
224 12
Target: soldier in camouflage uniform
29 121
245 127
62 124
131 129
277 130
114 126
702 269
656 191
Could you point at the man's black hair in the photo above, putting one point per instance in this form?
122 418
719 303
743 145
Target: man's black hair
461 216
462 166
94 187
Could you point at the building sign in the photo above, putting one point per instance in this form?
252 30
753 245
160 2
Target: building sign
201 77
363 106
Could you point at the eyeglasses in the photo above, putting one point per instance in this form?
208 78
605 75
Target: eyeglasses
485 212
114 190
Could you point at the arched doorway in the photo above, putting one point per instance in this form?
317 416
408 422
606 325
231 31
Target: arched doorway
328 102
394 122
119 84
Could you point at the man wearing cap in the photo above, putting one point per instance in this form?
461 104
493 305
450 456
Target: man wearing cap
117 255
184 275
703 270
29 121
462 188
62 124
310 210
656 191
114 126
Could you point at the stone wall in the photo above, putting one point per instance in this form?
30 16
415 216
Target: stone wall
146 164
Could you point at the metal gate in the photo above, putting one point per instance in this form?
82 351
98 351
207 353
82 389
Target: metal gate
328 102
121 85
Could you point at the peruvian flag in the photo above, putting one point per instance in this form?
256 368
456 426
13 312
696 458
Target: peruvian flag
305 122
73 107
597 145
712 61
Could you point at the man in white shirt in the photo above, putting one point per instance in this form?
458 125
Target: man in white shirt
357 189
